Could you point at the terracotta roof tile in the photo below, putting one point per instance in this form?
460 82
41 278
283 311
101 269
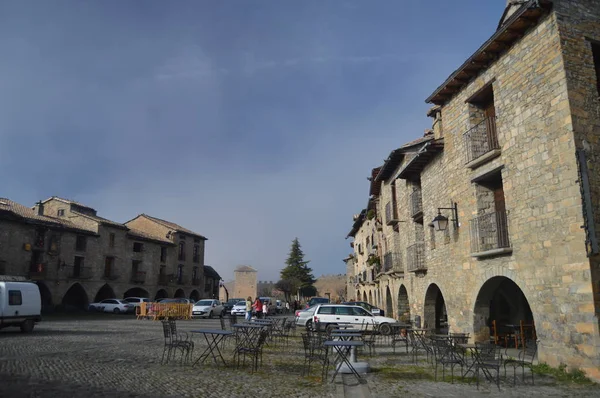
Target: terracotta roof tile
173 226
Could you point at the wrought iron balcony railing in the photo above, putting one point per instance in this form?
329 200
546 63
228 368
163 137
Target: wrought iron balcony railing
391 214
481 139
489 232
415 257
138 277
416 203
392 261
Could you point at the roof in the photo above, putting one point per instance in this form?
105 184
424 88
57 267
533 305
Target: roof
69 201
141 235
27 214
210 271
412 169
357 224
102 220
375 187
391 163
172 226
244 268
507 34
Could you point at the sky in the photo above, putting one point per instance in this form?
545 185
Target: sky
251 122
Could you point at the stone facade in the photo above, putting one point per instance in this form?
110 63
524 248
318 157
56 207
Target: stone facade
503 151
77 257
245 282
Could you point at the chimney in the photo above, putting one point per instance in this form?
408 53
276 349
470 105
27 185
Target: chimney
40 207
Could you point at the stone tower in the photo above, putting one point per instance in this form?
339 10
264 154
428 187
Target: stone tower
245 282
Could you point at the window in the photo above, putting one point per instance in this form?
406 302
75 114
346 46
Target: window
80 243
361 312
111 240
163 254
343 311
138 247
60 212
79 261
327 310
481 138
596 54
14 297
196 253
182 251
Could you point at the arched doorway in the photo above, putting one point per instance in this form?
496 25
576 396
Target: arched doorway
46 297
358 296
435 310
162 293
136 292
403 305
105 292
179 293
75 298
194 296
389 306
500 299
370 297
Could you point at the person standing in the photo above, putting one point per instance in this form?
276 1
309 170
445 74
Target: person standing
258 306
249 308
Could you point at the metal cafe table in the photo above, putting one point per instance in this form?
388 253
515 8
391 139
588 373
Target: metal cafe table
213 338
343 349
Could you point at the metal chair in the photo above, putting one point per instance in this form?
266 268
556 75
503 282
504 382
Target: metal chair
314 351
174 341
370 338
488 358
525 358
398 337
445 354
254 350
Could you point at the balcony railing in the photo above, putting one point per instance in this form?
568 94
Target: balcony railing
416 203
75 272
481 139
489 232
391 216
392 261
415 257
38 271
138 277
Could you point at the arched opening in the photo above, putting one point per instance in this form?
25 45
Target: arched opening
403 305
136 292
162 293
75 298
105 292
389 306
358 296
435 310
194 296
46 298
179 293
370 297
364 298
501 300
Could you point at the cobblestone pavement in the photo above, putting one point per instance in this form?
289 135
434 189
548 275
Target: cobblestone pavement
117 356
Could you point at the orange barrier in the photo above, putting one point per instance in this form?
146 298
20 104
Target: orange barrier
156 311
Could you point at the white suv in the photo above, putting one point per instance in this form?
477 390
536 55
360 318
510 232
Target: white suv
333 314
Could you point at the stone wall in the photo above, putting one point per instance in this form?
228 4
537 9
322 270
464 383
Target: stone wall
245 284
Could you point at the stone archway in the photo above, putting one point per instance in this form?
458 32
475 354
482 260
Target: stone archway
389 306
435 310
136 292
499 299
46 297
370 297
179 293
403 304
75 298
160 294
105 292
364 298
194 295
358 296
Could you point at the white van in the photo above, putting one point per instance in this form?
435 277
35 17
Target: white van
20 305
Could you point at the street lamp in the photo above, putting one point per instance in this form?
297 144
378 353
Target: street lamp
440 222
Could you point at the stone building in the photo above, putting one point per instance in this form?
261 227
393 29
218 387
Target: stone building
77 257
511 166
245 282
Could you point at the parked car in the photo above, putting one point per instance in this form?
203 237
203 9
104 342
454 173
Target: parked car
112 305
228 306
270 303
239 308
136 301
207 308
317 300
178 300
329 315
369 307
279 306
22 298
304 317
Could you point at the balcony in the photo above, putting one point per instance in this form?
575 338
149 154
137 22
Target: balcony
481 143
416 204
392 262
164 279
138 277
37 272
489 235
415 257
75 272
196 281
391 214
110 274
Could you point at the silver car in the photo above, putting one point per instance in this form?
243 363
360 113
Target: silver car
304 317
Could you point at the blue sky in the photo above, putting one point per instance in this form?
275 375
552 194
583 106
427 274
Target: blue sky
251 122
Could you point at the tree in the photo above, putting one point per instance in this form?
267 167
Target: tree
289 287
298 269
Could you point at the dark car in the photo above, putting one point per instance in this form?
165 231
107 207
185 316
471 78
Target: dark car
369 307
316 300
230 303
